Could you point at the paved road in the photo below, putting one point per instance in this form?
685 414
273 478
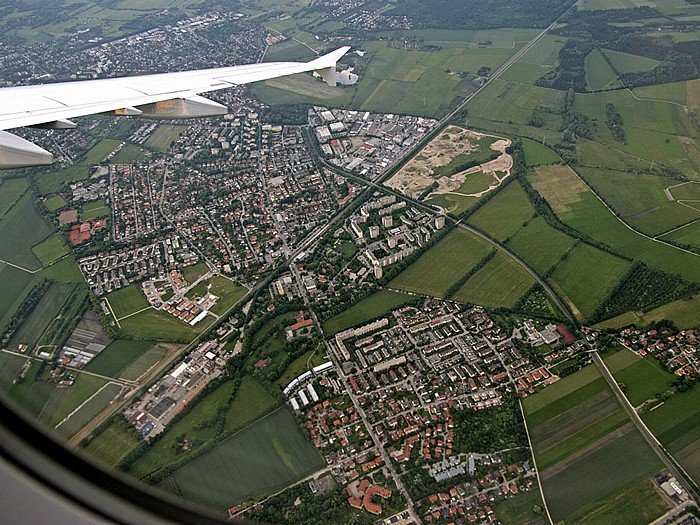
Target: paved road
646 433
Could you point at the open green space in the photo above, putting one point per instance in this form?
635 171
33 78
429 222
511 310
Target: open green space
628 63
55 181
99 151
504 214
155 325
643 380
476 183
94 209
54 203
376 305
540 245
83 388
599 74
452 203
163 136
20 230
587 276
112 445
560 390
266 456
89 410
44 313
685 313
500 283
686 236
64 270
443 264
577 206
10 367
129 154
142 364
50 249
117 356
127 300
11 190
228 292
537 154
250 402
194 272
15 284
300 365
520 509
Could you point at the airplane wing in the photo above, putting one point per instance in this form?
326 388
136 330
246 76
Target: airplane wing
161 96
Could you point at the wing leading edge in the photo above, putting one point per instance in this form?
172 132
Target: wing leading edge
161 96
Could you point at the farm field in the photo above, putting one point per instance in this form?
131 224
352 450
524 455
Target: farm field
538 61
88 411
577 206
46 310
628 63
501 282
263 457
520 509
643 379
685 313
156 325
15 284
117 356
578 430
443 264
540 245
127 300
599 74
587 276
142 364
112 445
11 190
378 304
676 423
50 250
250 402
21 229
163 136
537 154
10 366
504 214
64 270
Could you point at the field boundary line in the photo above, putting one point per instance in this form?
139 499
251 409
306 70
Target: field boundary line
109 305
21 267
85 402
534 462
654 239
132 313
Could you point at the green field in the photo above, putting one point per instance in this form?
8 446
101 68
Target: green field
194 272
129 154
15 284
94 210
50 250
264 457
599 74
251 402
443 264
540 245
112 445
11 190
158 326
21 229
537 154
500 283
536 62
577 206
376 305
44 313
587 276
504 214
88 411
643 380
163 136
228 291
116 357
10 367
54 203
520 509
627 63
300 365
685 313
99 151
65 270
127 300
141 364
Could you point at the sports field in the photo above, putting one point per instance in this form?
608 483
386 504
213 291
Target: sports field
443 264
266 456
54 203
376 305
578 430
500 283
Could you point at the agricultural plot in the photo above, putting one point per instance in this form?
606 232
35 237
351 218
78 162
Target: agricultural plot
578 207
127 300
587 276
11 190
685 313
164 136
112 445
10 367
50 250
64 270
250 402
42 316
500 283
88 410
20 230
15 284
599 74
643 379
141 365
676 424
540 245
675 92
627 63
117 356
376 305
686 236
537 154
640 199
443 264
578 430
521 509
538 61
264 457
100 151
504 214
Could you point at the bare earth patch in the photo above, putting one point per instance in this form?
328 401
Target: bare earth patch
419 174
